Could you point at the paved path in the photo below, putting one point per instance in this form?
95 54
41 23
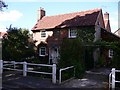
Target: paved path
13 81
96 78
92 79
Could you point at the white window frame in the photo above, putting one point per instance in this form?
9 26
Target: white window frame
43 34
71 31
40 51
110 53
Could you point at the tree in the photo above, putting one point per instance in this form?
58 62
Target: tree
17 45
2 5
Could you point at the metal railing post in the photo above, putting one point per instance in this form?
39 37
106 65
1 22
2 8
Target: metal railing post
110 80
59 76
24 68
1 71
113 78
54 73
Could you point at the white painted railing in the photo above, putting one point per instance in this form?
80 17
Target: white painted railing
63 69
112 79
6 65
25 68
53 73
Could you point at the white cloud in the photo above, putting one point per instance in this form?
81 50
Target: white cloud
13 15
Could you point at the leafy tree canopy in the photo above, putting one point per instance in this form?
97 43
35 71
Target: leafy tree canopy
17 45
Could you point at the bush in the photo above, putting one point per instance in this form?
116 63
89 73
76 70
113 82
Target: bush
71 55
100 62
116 55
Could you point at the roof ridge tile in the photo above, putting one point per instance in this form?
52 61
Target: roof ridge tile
91 10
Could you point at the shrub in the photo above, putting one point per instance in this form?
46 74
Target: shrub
70 55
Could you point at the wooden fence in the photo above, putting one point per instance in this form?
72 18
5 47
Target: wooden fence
24 69
12 65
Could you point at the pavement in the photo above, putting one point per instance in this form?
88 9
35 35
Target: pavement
13 81
97 78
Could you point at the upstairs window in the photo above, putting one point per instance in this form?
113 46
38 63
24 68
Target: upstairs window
42 51
43 33
110 53
56 33
72 33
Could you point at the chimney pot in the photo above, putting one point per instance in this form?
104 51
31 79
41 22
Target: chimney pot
41 13
106 16
107 22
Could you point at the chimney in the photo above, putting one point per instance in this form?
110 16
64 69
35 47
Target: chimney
41 13
107 22
106 16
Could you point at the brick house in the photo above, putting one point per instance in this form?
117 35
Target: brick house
117 32
2 34
49 31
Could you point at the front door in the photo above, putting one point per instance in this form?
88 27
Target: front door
54 55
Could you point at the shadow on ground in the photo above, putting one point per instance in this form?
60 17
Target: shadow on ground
96 78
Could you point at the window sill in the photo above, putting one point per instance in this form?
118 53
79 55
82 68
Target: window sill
43 37
42 55
72 37
110 57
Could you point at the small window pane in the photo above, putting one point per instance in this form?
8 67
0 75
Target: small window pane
42 51
110 53
56 33
72 33
43 34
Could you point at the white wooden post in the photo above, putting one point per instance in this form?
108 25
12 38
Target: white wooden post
54 73
13 62
24 68
1 66
1 71
113 78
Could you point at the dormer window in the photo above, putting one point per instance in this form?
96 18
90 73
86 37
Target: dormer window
56 33
72 33
43 33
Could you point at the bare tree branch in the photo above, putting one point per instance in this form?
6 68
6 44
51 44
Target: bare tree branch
2 5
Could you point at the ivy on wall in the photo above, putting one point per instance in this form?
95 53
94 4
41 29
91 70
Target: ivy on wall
115 46
86 34
77 51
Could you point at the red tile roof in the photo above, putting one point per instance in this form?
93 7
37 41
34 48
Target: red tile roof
83 18
117 30
2 34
